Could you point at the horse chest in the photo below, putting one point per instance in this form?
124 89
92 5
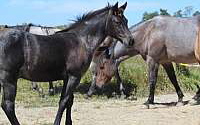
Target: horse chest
78 60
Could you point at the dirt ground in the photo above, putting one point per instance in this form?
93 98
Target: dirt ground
115 112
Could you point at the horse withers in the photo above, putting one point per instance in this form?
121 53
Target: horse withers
65 56
160 41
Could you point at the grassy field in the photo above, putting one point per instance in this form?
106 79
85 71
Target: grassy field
134 75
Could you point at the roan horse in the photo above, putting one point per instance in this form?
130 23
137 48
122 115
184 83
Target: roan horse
38 30
65 56
161 40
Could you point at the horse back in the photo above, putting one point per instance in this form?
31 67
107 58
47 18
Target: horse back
172 39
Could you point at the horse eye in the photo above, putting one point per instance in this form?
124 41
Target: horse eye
101 67
118 22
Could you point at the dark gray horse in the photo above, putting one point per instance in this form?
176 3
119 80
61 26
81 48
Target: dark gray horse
38 30
65 56
161 40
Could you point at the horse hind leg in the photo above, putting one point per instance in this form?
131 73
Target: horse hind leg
172 76
51 89
8 99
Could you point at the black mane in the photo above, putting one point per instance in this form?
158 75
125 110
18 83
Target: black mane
80 19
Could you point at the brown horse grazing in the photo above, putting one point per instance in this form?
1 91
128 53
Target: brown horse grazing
65 55
161 40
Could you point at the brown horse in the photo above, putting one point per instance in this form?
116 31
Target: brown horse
160 41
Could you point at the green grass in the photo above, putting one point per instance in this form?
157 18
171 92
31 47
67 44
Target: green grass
31 98
134 74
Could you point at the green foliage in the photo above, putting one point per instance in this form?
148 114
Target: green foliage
30 98
178 13
164 12
147 16
62 27
188 11
87 78
196 13
134 71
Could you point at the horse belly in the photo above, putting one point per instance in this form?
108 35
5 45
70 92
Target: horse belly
41 74
180 49
179 57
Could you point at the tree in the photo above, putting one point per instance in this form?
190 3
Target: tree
188 11
196 13
147 16
178 13
164 12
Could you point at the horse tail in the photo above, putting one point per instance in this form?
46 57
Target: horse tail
0 87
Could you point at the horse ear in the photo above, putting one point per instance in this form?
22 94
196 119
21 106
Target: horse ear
123 7
115 8
116 5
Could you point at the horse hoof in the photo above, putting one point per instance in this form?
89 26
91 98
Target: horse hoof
146 106
179 104
148 103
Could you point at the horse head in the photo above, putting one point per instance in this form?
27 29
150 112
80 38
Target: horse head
117 25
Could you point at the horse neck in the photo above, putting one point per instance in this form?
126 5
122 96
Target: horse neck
137 32
141 34
92 32
121 50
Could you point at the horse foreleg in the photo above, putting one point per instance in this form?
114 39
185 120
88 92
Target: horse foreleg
34 86
152 78
172 76
66 99
51 89
120 84
92 88
8 100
